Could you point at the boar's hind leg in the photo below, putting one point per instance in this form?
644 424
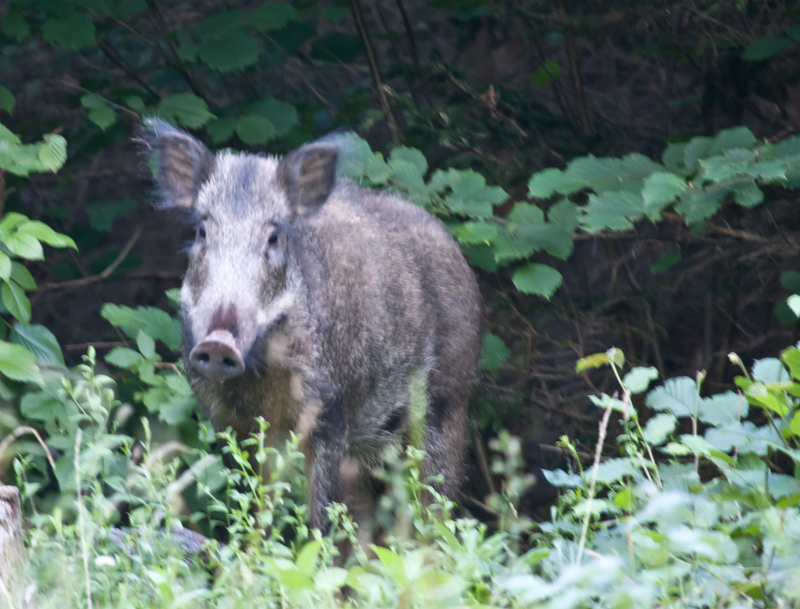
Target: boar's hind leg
445 439
328 451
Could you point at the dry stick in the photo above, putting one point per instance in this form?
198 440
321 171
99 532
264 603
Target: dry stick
117 59
561 98
76 283
77 87
412 45
20 431
172 61
577 84
598 449
483 461
394 132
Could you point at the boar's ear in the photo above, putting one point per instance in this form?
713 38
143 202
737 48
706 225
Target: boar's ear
308 175
183 163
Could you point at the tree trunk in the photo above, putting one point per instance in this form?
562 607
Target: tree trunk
15 588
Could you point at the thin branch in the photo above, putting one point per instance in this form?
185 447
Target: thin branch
577 84
76 283
21 431
394 132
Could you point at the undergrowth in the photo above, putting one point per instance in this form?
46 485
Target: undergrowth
699 509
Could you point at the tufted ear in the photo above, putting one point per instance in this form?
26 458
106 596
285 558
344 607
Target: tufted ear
183 163
308 176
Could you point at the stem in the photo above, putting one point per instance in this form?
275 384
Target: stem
81 523
593 483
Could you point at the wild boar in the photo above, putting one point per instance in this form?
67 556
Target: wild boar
313 303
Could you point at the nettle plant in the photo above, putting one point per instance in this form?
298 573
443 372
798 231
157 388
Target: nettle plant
698 509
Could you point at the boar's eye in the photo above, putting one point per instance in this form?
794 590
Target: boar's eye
201 231
273 237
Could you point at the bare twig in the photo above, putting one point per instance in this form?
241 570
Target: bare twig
358 16
21 431
76 283
577 84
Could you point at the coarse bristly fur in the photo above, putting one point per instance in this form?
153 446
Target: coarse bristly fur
334 296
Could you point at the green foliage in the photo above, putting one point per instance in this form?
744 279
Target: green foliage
22 239
653 525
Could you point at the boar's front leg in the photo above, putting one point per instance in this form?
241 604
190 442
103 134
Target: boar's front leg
328 452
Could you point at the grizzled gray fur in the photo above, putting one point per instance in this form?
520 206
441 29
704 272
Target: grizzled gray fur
312 303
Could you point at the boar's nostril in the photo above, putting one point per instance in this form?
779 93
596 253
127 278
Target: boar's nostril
217 357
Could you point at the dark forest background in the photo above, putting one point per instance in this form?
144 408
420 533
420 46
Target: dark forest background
505 89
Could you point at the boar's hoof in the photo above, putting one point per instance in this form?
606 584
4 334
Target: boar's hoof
217 357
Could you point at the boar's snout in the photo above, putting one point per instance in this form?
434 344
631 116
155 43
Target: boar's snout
217 357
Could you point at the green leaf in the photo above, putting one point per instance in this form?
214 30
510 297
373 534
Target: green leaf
16 302
613 210
678 396
695 207
5 266
748 195
18 363
614 470
666 262
42 406
410 155
735 137
270 16
659 428
74 31
155 322
255 130
282 115
660 189
547 237
494 352
546 73
40 341
592 361
102 116
307 556
673 156
525 213
476 232
22 276
146 345
538 279
222 129
794 425
233 50
696 149
564 215
188 109
794 304
337 47
103 214
42 232
15 26
546 183
122 357
723 409
766 47
770 370
6 100
53 153
638 379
